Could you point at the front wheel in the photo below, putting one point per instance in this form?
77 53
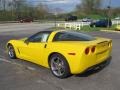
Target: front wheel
59 66
11 52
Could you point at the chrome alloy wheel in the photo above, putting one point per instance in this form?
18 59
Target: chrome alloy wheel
57 66
11 51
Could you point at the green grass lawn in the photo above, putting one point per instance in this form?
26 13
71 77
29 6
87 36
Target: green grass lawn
113 27
88 28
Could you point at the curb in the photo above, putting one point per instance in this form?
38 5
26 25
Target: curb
110 31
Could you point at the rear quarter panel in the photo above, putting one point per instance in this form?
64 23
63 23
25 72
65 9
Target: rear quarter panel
78 62
64 48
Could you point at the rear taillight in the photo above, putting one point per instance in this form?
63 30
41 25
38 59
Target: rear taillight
93 49
87 50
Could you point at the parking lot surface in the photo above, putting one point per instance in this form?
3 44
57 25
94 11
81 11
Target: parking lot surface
22 75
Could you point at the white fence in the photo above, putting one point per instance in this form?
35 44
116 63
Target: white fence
73 25
116 22
78 25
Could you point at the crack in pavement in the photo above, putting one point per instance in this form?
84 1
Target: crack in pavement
14 63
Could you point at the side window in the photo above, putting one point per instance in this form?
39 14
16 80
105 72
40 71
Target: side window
63 37
44 37
58 36
39 37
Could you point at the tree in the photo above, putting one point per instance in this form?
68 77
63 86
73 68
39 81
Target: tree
41 11
89 6
3 4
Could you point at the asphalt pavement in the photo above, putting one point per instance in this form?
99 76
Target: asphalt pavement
22 75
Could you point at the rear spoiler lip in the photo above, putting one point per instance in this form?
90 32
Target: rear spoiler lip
102 42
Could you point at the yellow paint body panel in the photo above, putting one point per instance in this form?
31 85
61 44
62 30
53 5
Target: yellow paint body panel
36 53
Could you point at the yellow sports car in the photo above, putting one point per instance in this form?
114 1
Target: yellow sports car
64 52
118 27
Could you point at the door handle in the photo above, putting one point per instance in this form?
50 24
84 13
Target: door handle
45 46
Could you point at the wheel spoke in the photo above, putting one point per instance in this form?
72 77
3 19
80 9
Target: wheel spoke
55 63
59 72
55 69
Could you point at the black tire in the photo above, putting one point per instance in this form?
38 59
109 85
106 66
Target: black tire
11 52
62 69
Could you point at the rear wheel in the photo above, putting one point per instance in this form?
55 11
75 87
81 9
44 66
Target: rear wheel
11 52
59 66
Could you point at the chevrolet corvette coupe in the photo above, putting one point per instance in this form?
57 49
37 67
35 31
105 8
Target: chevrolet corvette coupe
64 52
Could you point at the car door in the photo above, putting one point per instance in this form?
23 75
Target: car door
33 48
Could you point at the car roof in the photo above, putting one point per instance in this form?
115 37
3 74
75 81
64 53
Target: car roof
50 31
56 31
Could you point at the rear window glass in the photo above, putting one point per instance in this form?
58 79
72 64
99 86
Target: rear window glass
72 36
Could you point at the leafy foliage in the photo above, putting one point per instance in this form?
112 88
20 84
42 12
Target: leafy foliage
14 9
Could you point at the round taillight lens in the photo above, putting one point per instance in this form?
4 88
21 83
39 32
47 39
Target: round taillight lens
93 49
87 50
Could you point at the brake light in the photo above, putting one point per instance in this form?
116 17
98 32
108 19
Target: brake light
93 49
87 50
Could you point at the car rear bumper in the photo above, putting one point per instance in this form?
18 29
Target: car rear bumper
99 65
